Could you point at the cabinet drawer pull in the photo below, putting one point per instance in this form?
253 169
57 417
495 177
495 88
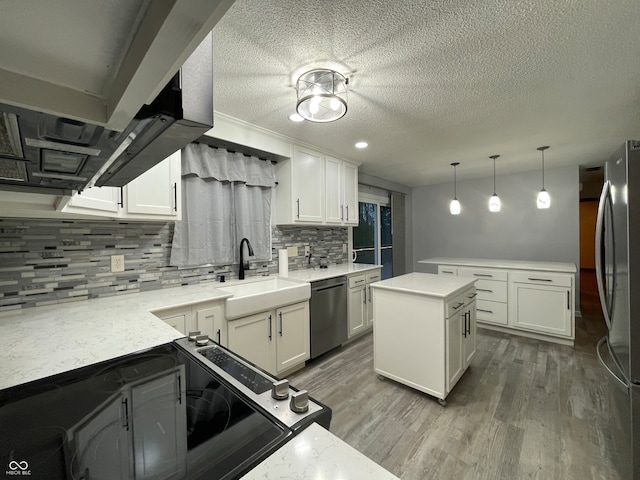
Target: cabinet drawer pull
473 295
484 311
484 290
455 307
447 271
482 275
540 279
358 281
175 196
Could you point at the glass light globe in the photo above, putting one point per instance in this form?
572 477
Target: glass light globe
494 203
454 207
544 200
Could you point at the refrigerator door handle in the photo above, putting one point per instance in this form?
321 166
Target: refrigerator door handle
598 347
605 197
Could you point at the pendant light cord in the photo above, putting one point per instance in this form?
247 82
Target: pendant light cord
542 169
494 176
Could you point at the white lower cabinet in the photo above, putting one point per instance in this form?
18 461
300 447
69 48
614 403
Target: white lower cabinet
360 301
542 308
275 340
537 303
206 317
461 337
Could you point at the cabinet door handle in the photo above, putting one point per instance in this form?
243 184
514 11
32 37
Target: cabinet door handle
464 326
179 389
175 196
369 294
280 315
540 279
270 333
568 300
121 202
365 296
482 275
298 204
485 311
469 323
218 333
341 212
347 213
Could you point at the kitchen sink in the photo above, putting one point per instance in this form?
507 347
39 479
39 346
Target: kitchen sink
259 296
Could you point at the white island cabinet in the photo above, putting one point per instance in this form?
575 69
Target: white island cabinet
529 298
424 333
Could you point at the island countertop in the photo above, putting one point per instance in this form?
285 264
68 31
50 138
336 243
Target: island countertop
426 284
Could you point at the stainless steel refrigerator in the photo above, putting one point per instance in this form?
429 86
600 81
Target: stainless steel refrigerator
618 278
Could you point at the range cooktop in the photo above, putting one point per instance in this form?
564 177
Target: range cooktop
176 411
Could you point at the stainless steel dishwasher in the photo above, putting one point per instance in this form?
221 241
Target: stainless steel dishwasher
328 314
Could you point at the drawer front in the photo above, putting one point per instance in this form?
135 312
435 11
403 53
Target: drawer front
493 290
542 278
373 276
356 281
454 306
484 273
447 270
491 312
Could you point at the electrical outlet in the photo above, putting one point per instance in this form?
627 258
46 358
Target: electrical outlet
344 248
117 263
307 250
292 251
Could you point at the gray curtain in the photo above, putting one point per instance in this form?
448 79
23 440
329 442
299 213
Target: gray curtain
226 196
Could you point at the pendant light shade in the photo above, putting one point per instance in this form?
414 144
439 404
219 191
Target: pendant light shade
454 207
494 201
322 95
544 199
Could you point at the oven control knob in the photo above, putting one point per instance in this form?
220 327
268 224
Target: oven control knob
299 402
202 340
280 389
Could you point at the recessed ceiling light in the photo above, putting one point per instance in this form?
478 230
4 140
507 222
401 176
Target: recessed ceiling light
295 117
362 145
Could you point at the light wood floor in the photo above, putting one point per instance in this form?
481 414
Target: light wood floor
525 409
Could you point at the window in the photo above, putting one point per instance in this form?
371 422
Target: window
372 238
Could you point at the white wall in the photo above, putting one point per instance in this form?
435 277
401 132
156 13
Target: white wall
518 232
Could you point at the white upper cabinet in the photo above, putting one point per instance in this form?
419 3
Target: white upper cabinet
154 195
316 189
341 179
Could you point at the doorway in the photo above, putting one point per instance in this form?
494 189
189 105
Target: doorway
372 240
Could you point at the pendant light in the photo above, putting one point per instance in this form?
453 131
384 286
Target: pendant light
454 207
544 200
494 201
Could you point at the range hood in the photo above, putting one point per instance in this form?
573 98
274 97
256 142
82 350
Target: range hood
43 153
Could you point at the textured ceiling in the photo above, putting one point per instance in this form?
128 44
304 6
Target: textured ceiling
435 82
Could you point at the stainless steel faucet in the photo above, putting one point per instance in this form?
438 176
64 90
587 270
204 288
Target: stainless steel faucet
242 267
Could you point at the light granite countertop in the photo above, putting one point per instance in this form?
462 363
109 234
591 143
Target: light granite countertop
563 267
317 454
428 284
315 274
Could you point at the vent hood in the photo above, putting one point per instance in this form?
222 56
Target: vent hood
42 153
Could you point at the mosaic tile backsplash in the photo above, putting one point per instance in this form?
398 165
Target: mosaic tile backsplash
44 262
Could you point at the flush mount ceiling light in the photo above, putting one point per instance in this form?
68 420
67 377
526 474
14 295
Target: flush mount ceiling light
544 200
362 145
494 201
322 95
454 206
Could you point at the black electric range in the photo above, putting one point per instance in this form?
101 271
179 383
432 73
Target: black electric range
176 411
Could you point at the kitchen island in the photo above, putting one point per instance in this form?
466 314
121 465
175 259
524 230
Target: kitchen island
425 332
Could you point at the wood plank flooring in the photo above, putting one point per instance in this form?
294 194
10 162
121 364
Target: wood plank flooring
525 409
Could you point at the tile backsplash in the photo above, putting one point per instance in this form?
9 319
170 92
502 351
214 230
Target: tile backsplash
54 261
